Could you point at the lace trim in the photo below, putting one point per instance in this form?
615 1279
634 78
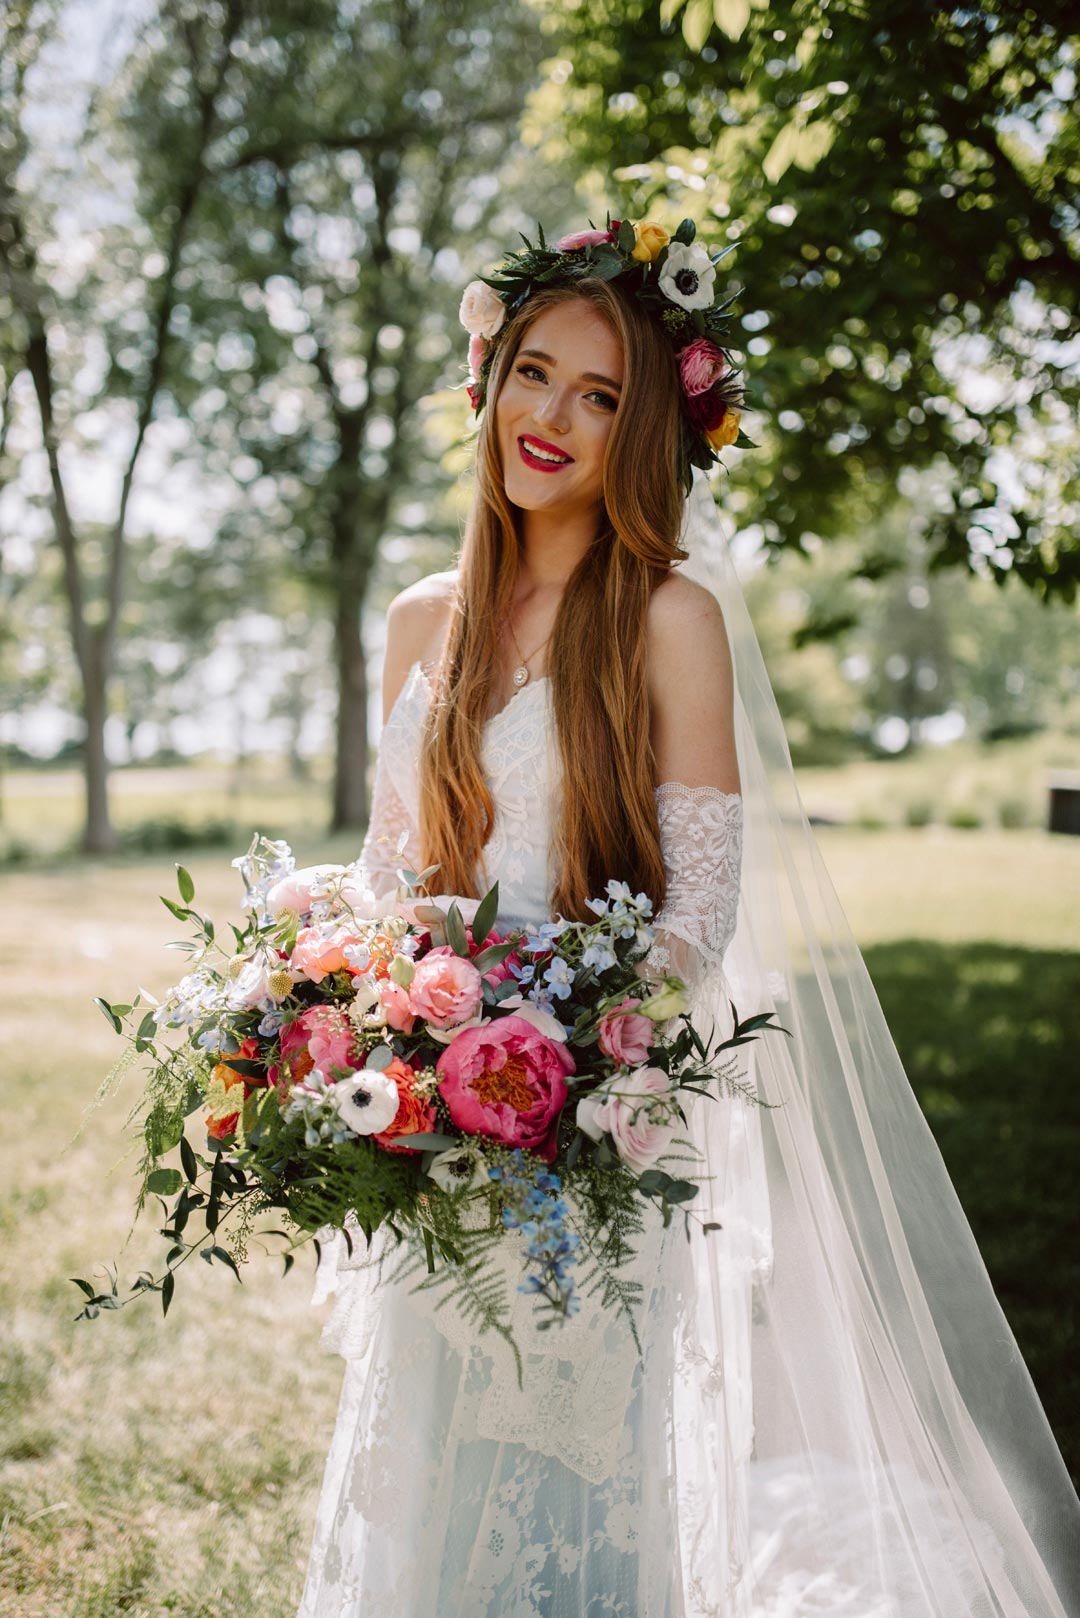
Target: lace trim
701 844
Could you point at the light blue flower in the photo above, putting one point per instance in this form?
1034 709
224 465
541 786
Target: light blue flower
600 955
560 977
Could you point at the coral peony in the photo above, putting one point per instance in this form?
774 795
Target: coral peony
414 1116
506 1080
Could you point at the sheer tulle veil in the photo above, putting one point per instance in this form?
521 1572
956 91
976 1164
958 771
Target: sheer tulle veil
853 1419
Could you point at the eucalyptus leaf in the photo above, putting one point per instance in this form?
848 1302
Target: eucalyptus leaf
107 1011
486 914
168 1287
456 935
163 1182
185 884
378 1058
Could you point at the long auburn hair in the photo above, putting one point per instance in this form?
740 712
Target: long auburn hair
607 824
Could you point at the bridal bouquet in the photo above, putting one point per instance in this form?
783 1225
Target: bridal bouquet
408 1065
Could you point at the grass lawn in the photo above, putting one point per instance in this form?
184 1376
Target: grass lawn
151 1468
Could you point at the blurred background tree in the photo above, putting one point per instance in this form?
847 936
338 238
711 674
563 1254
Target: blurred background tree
902 183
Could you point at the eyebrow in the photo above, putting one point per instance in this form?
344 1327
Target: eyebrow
586 376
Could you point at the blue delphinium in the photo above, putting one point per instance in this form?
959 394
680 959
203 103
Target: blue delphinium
534 1208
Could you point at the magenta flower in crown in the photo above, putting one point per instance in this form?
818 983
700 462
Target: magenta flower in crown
701 365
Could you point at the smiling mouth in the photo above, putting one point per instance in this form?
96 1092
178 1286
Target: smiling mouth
544 457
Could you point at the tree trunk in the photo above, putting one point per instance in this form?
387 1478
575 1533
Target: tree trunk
98 834
350 803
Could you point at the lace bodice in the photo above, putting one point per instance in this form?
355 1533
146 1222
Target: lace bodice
578 1380
700 827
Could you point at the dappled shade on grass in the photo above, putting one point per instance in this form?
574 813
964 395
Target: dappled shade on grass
989 1035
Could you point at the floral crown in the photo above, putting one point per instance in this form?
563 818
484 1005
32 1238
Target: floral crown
673 276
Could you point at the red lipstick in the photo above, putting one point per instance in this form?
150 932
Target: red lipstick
537 461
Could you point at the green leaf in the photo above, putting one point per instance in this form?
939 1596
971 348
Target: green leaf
168 1287
189 1160
225 1257
712 1226
426 1143
681 1191
179 911
494 955
627 239
163 1182
653 1180
107 1011
378 1057
455 932
486 912
147 1029
85 1286
185 884
241 1064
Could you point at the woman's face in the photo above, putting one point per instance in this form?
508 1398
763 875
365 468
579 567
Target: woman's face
554 414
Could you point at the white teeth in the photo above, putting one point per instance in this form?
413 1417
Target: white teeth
545 455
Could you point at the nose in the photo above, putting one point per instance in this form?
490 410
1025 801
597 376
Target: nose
553 410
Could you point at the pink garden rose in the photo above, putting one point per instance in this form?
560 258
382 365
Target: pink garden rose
294 891
506 1080
481 311
701 365
446 989
395 1002
494 974
317 954
624 1037
477 350
638 1138
328 1035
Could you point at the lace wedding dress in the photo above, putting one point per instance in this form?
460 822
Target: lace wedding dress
450 1491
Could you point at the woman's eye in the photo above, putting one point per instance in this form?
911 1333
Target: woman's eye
523 369
605 399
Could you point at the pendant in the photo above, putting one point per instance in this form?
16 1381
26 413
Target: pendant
520 675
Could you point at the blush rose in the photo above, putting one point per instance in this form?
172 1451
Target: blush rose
446 989
624 1037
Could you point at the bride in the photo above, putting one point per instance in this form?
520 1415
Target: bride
827 1414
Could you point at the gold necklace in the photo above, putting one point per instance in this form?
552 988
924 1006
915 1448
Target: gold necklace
521 673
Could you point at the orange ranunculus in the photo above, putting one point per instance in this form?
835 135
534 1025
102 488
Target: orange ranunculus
414 1116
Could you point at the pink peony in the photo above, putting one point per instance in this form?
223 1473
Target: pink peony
507 1080
395 1002
587 238
701 366
625 1038
445 989
638 1138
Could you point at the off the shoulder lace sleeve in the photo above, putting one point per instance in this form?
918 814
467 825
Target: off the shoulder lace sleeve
701 843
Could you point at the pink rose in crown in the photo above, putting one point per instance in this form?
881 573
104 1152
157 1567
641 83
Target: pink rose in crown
445 989
625 1037
587 238
477 350
701 365
507 1080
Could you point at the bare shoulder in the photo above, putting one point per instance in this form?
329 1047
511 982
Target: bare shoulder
691 686
685 631
416 622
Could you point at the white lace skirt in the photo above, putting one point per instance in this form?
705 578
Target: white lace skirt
421 1516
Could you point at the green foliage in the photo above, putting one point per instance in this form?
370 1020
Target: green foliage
901 186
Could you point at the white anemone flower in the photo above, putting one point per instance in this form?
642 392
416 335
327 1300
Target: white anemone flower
461 1168
365 1102
688 276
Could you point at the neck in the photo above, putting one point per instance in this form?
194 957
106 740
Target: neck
552 545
